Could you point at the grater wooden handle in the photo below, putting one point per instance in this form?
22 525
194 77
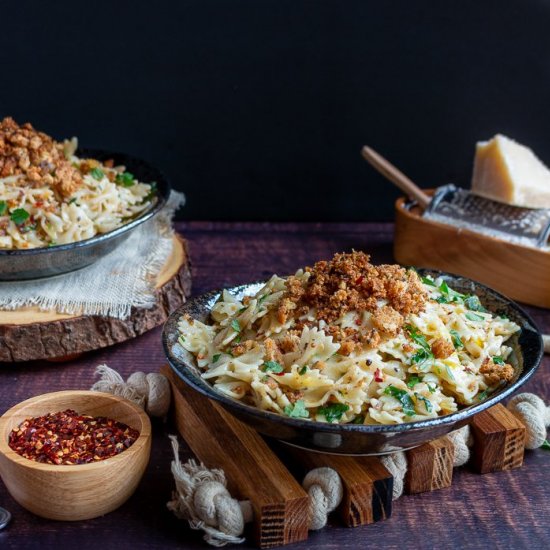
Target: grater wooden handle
389 171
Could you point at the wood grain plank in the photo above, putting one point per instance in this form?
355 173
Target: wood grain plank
430 466
499 439
253 471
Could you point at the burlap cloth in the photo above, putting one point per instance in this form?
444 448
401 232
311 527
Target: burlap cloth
123 279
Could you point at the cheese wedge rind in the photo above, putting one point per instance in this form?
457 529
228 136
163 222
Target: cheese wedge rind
509 172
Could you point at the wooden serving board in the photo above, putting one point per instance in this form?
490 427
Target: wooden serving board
519 272
29 333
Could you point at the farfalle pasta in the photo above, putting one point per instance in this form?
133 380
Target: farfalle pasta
50 196
347 341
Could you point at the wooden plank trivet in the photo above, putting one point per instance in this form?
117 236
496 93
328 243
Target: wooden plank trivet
499 440
430 466
253 471
368 486
256 473
29 334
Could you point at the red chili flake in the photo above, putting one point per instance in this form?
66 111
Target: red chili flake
359 280
378 375
67 437
358 321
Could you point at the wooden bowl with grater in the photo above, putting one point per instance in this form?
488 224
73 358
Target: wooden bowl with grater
504 247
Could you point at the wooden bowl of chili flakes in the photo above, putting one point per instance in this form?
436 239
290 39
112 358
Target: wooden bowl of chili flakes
73 481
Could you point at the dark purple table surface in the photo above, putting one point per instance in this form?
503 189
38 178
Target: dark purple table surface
502 510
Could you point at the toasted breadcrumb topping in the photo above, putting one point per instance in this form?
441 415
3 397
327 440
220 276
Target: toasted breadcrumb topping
495 373
350 282
26 151
442 348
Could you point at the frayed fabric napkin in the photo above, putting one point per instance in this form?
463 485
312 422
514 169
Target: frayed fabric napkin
110 287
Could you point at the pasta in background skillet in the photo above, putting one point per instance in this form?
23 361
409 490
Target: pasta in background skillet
346 341
49 196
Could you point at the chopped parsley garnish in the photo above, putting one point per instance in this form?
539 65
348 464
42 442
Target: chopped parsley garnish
474 317
427 281
425 352
216 357
481 396
450 294
97 174
427 402
272 366
237 340
414 380
360 419
242 310
455 337
333 411
303 370
418 338
403 397
473 303
3 207
298 410
235 325
262 299
126 179
498 360
72 200
421 357
19 216
52 243
545 445
431 388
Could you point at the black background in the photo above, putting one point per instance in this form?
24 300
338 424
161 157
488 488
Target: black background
258 109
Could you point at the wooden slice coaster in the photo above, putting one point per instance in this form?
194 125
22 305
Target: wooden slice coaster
28 334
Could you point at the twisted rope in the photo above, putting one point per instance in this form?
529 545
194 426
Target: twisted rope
201 497
325 491
149 391
531 411
396 464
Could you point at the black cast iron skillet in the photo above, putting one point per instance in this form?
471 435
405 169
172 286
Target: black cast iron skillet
351 438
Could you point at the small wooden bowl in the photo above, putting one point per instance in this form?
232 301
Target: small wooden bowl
75 492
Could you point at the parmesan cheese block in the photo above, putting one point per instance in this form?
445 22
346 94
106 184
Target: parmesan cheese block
509 172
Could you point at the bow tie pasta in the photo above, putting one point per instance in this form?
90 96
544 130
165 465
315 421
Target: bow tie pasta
347 341
49 196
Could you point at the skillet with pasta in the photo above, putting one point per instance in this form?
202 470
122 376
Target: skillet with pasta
346 341
50 196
